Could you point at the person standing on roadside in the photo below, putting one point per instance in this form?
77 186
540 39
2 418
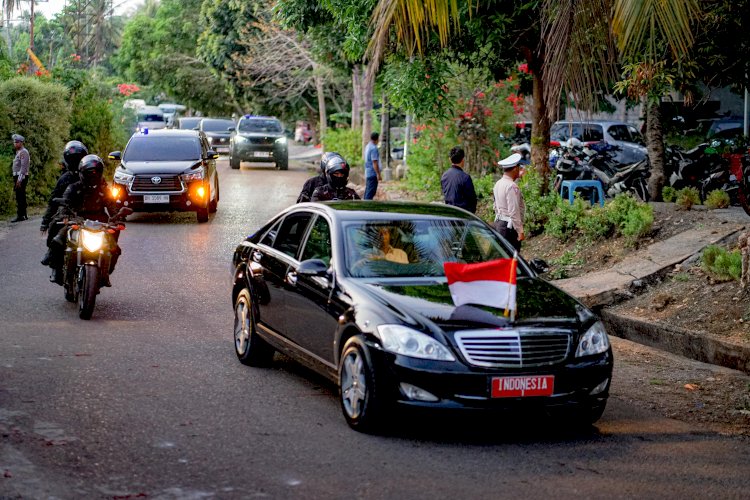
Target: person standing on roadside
509 206
458 188
372 166
20 176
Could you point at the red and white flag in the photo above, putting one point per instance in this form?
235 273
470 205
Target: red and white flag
491 283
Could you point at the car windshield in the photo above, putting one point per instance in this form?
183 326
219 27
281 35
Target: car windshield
564 131
411 248
160 148
151 118
216 125
189 123
256 125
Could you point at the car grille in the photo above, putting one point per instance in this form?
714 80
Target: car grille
143 183
513 348
261 140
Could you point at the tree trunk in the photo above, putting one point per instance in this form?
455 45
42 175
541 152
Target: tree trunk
321 103
655 144
385 134
540 126
367 113
356 96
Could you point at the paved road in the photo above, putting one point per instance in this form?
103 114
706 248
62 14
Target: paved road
148 399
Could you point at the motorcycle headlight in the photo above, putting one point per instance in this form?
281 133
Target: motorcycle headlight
92 241
402 340
281 141
594 341
195 175
122 177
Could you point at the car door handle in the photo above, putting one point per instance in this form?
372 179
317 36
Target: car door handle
291 278
257 256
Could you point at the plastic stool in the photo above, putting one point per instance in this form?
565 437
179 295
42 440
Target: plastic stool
571 186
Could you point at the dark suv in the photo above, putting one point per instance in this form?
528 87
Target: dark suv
166 170
259 138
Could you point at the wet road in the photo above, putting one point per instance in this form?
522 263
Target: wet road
148 399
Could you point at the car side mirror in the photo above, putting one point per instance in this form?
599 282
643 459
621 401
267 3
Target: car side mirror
114 155
312 267
231 129
539 266
211 154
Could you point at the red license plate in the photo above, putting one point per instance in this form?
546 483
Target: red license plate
524 386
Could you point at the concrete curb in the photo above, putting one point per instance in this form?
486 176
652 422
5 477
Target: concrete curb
698 346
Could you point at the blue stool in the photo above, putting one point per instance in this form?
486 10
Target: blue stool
571 186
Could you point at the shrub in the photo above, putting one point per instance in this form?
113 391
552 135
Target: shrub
596 224
348 142
717 199
721 263
668 194
538 207
39 111
687 197
564 220
637 222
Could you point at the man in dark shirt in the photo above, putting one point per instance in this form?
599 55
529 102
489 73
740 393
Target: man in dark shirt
315 182
458 189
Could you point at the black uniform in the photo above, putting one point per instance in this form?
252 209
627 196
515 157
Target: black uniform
310 186
327 193
458 189
65 180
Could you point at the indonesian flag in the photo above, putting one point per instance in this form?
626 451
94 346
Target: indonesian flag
491 283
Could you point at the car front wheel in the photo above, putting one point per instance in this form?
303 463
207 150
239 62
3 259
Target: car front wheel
251 350
359 393
283 163
234 161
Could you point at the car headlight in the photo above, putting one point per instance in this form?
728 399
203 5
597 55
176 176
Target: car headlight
402 340
195 175
122 177
594 341
281 141
239 138
92 241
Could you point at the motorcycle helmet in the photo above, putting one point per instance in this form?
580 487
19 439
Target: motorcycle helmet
326 158
72 154
90 170
337 172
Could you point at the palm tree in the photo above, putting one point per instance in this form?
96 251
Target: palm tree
8 7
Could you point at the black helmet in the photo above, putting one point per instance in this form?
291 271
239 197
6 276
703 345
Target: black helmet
72 154
326 158
335 166
91 170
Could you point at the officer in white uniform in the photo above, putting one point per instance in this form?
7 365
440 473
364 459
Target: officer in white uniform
509 205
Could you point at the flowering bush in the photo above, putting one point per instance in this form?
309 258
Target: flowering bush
128 89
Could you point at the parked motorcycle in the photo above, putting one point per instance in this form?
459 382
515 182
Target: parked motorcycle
88 256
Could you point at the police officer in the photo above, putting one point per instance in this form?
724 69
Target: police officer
337 176
72 154
20 176
88 198
509 206
320 180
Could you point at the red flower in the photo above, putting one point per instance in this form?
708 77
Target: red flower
427 76
487 112
480 95
523 68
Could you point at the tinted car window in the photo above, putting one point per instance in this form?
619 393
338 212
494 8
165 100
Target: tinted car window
216 125
291 232
189 123
593 133
270 236
161 148
318 244
564 131
620 133
636 136
427 244
150 118
256 125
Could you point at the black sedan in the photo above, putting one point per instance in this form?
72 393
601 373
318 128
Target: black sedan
357 292
218 131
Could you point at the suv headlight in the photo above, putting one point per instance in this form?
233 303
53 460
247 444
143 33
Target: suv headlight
402 340
240 138
92 241
122 177
281 141
594 341
195 175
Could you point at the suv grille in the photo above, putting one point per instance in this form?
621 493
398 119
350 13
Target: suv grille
261 140
513 348
144 183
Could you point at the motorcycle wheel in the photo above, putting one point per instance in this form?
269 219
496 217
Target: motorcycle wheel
69 284
88 291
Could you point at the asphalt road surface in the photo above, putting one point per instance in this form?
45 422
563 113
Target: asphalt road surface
148 399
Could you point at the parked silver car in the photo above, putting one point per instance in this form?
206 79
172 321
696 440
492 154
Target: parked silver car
625 136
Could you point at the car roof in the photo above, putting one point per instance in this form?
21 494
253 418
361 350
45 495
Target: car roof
393 210
591 122
150 110
161 132
258 117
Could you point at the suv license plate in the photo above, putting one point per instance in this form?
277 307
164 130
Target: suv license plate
155 198
262 154
524 386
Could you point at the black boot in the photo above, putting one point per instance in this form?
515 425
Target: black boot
57 276
45 259
19 218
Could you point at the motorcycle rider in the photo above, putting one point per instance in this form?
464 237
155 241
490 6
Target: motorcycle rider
72 154
337 176
320 180
88 198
